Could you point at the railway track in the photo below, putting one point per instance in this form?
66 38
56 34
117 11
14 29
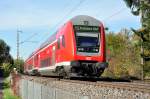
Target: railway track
133 86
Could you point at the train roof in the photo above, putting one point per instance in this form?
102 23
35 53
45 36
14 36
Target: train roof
85 20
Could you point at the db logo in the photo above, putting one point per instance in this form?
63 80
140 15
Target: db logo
88 58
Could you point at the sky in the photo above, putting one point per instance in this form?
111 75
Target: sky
38 19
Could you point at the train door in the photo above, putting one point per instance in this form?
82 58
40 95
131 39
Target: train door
36 60
53 55
33 63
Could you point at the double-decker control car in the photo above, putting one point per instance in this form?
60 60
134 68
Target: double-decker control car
76 49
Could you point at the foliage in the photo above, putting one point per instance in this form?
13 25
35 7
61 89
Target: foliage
18 64
7 67
124 54
6 61
6 83
143 8
4 53
134 5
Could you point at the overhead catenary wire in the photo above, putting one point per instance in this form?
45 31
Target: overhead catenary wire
65 16
72 10
114 14
34 34
57 24
29 38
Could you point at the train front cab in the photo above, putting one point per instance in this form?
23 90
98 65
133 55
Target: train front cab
84 51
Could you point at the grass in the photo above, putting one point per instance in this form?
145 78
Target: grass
7 92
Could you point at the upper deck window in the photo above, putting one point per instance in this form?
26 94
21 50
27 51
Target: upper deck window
63 41
58 43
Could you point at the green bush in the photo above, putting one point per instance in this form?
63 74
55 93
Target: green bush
8 94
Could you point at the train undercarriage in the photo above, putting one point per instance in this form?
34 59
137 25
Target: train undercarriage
82 69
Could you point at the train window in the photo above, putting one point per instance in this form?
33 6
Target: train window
63 41
45 62
36 58
58 42
29 67
48 61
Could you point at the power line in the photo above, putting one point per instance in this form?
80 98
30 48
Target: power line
114 14
25 52
27 40
61 20
72 10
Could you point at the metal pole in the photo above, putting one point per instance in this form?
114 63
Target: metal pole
18 43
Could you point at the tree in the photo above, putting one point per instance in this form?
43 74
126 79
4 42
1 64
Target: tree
18 64
4 53
142 7
134 5
124 55
7 67
6 60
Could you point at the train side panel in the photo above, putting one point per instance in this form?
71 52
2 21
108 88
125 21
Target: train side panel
65 44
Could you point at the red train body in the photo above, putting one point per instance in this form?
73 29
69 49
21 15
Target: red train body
76 49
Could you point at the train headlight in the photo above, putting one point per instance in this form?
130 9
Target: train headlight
95 49
80 49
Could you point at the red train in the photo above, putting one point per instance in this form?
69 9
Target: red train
76 49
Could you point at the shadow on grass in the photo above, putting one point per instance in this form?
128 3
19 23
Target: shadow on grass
5 85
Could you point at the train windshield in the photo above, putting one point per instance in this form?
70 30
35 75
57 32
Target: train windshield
87 39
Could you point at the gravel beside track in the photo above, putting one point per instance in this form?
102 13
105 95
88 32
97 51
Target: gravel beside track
85 85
